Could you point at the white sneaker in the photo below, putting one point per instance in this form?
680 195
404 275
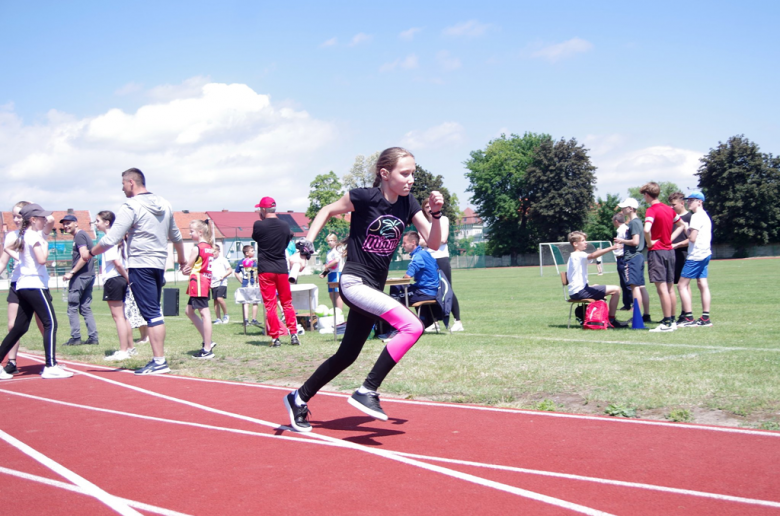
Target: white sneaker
390 336
117 356
55 371
216 321
226 319
433 328
663 328
457 326
4 375
132 352
143 341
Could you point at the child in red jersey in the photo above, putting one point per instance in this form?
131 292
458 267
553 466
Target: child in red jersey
200 285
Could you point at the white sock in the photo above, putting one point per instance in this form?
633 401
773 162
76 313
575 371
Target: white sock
159 360
298 401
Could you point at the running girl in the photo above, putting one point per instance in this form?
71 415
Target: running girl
32 288
200 284
379 217
115 284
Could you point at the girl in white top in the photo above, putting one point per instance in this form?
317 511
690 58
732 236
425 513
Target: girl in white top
115 285
13 299
32 288
442 255
333 267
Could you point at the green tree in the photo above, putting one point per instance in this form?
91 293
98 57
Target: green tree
362 173
742 188
560 182
324 190
599 226
667 189
497 177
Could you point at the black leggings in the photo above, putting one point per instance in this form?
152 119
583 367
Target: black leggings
33 301
444 265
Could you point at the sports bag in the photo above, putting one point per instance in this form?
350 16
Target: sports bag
596 316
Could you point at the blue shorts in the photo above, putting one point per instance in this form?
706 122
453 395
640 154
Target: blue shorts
588 292
695 268
146 284
333 276
634 271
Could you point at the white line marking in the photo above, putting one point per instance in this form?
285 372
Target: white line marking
75 489
89 488
568 476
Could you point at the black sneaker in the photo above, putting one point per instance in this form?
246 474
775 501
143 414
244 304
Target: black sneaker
368 403
255 322
617 324
276 343
92 341
294 340
681 319
299 416
154 368
646 318
700 323
203 354
74 342
11 368
625 308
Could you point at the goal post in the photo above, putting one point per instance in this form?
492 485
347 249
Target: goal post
557 254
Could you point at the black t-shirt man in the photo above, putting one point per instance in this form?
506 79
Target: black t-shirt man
272 236
81 239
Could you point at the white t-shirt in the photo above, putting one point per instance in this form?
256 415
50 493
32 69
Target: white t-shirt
577 271
10 239
337 253
107 268
622 232
31 273
443 251
219 267
700 249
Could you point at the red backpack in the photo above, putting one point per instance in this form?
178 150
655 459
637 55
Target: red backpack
596 316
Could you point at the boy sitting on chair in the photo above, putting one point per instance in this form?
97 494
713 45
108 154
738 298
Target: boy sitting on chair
577 273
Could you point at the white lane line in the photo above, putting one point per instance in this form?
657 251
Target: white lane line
89 488
567 476
75 489
458 406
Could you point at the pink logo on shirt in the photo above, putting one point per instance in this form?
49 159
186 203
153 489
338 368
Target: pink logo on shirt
383 235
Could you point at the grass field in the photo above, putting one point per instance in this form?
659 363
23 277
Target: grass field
517 352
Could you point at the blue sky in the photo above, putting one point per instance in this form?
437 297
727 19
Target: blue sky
223 103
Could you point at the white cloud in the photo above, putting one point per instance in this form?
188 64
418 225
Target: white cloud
410 62
408 34
447 62
223 148
469 29
128 89
599 145
359 38
619 171
329 43
558 51
442 135
189 88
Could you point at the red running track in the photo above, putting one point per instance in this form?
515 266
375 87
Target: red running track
107 441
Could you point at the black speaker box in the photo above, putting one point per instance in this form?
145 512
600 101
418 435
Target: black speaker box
170 304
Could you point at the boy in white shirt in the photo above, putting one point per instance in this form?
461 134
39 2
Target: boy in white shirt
220 270
699 233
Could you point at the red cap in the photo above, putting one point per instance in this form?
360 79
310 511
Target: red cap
266 202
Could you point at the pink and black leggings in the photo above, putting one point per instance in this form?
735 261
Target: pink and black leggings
366 304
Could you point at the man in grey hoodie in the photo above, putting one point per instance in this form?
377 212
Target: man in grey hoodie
147 220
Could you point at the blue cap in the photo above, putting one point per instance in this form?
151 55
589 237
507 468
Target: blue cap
696 195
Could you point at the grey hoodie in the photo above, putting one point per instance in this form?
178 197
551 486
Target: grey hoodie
147 219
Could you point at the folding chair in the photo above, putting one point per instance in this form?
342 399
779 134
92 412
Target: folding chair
572 302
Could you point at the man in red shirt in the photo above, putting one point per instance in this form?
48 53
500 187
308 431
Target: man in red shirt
660 220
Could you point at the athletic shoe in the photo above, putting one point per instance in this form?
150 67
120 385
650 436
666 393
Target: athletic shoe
154 368
203 354
11 368
299 416
117 356
674 325
294 340
132 352
216 321
55 371
4 375
213 345
646 318
457 326
276 343
680 320
625 308
368 403
226 319
142 341
390 336
92 341
700 323
74 342
255 322
617 324
433 328
687 322
663 327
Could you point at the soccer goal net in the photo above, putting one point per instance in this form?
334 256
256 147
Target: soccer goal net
557 253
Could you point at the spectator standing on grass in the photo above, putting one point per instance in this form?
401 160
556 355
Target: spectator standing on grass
379 216
220 271
621 229
147 220
272 236
659 223
699 233
425 271
81 279
679 240
32 289
200 285
246 272
577 274
633 259
334 263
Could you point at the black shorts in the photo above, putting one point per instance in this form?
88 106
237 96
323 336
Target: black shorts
12 297
660 266
680 255
115 289
597 292
198 302
218 292
634 271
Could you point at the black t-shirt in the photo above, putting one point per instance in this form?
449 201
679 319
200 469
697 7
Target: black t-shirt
375 231
81 239
687 219
272 236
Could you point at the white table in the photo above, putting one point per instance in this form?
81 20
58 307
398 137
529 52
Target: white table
303 294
